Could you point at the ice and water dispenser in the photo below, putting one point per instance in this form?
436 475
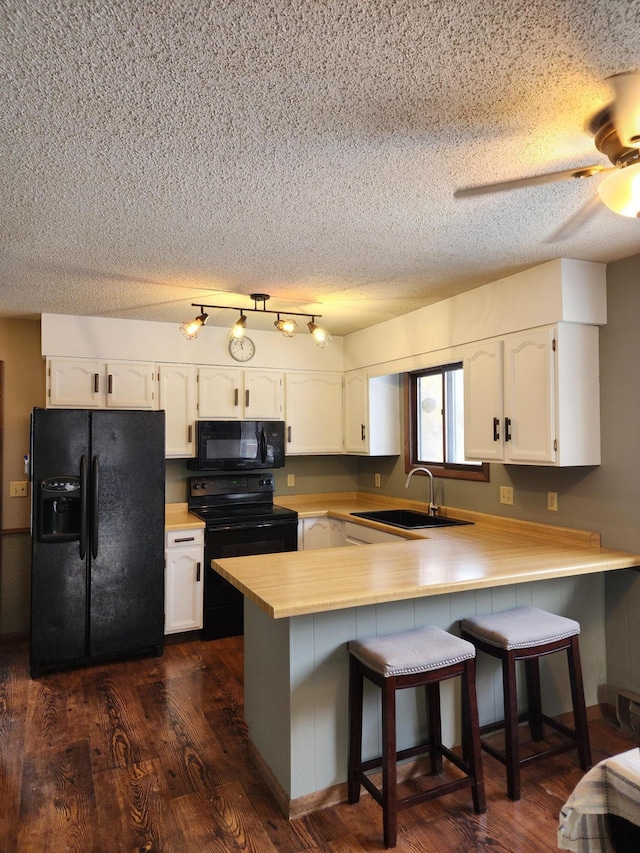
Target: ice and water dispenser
59 509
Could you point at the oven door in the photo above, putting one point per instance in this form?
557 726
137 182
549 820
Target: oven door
223 603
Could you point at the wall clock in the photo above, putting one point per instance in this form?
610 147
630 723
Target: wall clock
242 349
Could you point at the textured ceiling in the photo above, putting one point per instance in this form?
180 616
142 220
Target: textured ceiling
163 152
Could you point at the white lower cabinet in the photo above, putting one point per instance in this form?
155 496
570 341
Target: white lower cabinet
183 580
320 532
313 404
359 534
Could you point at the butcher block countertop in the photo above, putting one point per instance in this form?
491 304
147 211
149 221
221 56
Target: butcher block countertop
178 517
494 551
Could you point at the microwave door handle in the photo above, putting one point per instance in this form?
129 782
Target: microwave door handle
84 497
94 507
263 446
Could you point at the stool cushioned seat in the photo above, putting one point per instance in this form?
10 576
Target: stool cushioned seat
520 628
527 634
420 658
411 651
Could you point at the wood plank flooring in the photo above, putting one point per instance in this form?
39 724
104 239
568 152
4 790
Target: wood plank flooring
152 755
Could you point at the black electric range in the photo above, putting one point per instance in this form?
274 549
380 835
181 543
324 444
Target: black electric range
241 520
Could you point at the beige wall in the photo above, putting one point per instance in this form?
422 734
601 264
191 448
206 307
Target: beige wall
24 388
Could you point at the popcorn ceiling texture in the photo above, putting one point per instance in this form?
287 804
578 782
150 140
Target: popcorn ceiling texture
158 153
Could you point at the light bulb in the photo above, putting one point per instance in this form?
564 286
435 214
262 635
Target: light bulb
191 328
620 191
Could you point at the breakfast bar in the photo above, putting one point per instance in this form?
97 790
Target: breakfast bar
301 609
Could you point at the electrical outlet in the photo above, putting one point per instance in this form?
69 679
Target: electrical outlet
19 489
376 480
506 495
552 501
291 479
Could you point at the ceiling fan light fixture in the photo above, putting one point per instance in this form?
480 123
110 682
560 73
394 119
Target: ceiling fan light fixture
620 191
626 107
287 326
191 328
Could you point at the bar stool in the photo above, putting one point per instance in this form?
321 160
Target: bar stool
527 634
419 658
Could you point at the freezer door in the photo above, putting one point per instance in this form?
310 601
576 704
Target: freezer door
126 598
59 440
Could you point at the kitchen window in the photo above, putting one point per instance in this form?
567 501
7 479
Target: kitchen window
434 423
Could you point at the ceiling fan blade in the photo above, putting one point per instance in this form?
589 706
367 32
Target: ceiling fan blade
533 180
626 107
575 223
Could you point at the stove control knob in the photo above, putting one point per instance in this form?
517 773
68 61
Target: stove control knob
203 485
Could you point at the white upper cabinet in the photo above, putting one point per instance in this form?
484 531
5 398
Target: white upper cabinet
532 398
177 396
231 393
371 414
95 384
313 412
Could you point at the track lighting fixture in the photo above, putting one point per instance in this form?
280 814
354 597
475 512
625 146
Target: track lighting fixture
287 325
191 328
321 337
237 330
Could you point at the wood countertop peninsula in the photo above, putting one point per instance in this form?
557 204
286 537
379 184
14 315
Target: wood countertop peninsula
494 551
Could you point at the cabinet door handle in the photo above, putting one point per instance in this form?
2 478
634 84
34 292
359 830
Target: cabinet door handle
289 434
197 572
246 398
190 434
496 429
507 429
235 397
110 384
362 432
96 382
186 539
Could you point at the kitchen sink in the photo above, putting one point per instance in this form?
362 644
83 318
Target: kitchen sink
408 518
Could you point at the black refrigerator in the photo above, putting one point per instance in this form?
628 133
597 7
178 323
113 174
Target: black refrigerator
97 533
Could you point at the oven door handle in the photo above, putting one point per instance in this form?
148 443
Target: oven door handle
263 446
250 525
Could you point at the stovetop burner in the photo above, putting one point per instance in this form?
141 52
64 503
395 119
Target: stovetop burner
235 499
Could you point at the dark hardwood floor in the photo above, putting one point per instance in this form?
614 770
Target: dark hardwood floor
152 755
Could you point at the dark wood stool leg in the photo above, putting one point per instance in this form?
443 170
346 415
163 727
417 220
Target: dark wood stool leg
510 692
471 736
389 768
579 710
356 686
435 727
534 700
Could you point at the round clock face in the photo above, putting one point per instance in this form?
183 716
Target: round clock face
242 349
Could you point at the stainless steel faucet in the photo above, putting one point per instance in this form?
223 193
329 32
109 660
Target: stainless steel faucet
432 507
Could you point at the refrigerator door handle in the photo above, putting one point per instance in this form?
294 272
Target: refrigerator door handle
95 470
84 497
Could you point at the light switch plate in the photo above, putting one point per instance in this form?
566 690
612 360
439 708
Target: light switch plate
291 479
19 489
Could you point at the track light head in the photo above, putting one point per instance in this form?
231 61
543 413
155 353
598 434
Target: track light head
191 328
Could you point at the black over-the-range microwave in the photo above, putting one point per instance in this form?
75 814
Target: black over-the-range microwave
238 445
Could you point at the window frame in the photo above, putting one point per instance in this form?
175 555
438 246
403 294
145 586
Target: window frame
449 470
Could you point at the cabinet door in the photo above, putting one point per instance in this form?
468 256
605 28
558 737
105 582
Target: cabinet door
219 392
184 580
313 412
262 396
177 393
75 383
316 533
529 397
130 385
483 401
355 411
